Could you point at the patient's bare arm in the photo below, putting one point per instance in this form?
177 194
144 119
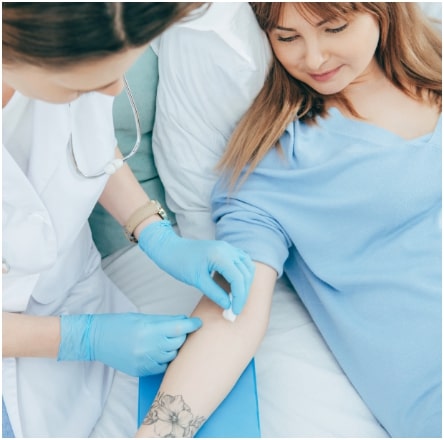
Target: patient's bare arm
210 362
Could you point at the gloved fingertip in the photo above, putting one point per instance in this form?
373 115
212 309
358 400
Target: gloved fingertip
225 303
237 306
237 310
197 322
217 295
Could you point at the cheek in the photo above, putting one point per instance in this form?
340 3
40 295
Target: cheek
369 38
287 56
367 52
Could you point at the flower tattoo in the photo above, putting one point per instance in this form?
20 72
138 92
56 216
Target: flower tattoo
172 417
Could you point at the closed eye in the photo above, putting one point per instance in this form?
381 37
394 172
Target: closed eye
338 29
288 39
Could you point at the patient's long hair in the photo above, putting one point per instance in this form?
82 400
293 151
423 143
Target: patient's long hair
58 35
409 53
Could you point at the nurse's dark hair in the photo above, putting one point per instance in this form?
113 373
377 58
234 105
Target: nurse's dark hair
409 53
57 35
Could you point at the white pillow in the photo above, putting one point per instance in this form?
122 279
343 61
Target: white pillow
432 9
210 70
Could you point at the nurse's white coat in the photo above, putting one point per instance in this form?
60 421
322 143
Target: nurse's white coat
53 265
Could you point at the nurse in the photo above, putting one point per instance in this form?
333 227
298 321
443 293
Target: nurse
62 65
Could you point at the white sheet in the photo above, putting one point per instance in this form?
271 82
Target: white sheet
302 390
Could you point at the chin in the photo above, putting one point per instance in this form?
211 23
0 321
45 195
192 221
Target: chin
55 100
327 89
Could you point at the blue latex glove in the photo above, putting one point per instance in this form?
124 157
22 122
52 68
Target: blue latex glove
194 261
135 343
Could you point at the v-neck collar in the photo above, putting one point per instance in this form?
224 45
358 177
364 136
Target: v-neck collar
337 122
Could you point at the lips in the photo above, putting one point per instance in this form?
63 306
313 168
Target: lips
325 76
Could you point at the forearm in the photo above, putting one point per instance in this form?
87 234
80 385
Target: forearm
212 359
123 194
30 336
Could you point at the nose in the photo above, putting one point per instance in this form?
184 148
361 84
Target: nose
315 54
113 89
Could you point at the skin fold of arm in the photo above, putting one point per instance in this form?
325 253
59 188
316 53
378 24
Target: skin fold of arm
210 362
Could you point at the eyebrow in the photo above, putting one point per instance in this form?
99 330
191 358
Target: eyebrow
282 28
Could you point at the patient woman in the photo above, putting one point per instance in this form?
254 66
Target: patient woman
334 177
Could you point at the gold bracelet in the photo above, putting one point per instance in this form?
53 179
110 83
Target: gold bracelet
153 207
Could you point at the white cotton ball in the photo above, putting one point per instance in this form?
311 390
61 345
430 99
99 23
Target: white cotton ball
228 313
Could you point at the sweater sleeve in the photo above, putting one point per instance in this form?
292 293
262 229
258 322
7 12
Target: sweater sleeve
243 219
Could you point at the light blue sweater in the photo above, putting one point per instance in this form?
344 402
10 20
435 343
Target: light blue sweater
352 213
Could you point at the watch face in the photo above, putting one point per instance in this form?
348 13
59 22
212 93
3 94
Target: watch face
163 213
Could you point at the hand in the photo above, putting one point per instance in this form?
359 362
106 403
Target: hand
194 262
134 343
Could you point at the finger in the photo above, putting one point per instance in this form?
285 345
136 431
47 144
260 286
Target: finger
180 327
249 263
232 253
153 368
247 273
170 344
152 319
239 290
215 292
250 268
166 357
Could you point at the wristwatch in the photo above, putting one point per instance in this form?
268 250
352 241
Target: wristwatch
147 210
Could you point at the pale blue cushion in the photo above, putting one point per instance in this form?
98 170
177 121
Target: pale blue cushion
142 78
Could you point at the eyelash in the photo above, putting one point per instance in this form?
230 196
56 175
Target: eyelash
339 29
331 31
287 39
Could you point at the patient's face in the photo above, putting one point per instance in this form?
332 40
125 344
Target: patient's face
329 56
64 85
